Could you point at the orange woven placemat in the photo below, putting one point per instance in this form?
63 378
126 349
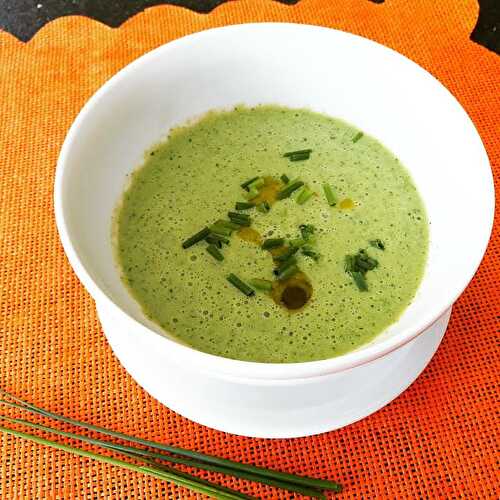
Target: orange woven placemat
437 440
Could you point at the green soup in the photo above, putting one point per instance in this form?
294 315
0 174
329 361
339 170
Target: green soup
193 179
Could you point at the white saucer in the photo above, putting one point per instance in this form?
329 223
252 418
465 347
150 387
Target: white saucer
306 407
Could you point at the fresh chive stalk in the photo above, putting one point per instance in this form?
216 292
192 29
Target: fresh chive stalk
200 236
289 189
140 453
180 479
304 195
330 195
243 205
212 240
357 137
261 285
264 207
215 253
248 182
239 218
272 243
240 285
301 480
228 224
285 179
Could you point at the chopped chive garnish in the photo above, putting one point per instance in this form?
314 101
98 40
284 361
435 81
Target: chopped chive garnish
201 235
359 280
285 256
256 184
357 137
238 215
289 189
298 152
304 195
240 285
288 272
285 179
240 219
243 205
307 231
377 244
253 193
214 252
297 242
213 237
248 182
365 264
264 207
226 223
262 285
213 241
291 261
299 157
220 229
330 195
310 252
349 263
272 243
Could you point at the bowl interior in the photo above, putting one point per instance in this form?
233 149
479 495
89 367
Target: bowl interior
328 71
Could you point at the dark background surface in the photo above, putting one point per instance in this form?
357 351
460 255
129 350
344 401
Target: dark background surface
23 18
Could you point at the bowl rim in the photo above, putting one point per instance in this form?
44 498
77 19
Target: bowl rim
248 369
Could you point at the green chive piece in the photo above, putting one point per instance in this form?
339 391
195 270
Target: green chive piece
357 137
241 219
220 229
227 224
272 243
298 152
288 272
238 215
214 237
377 244
310 252
285 179
201 235
359 280
243 205
299 157
214 252
252 193
262 285
264 207
291 261
349 263
212 241
285 256
330 195
240 285
248 182
256 184
289 189
307 231
304 195
297 242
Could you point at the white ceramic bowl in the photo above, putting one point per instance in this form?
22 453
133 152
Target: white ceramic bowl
329 71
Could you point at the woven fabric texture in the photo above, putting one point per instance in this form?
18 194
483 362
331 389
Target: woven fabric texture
437 440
